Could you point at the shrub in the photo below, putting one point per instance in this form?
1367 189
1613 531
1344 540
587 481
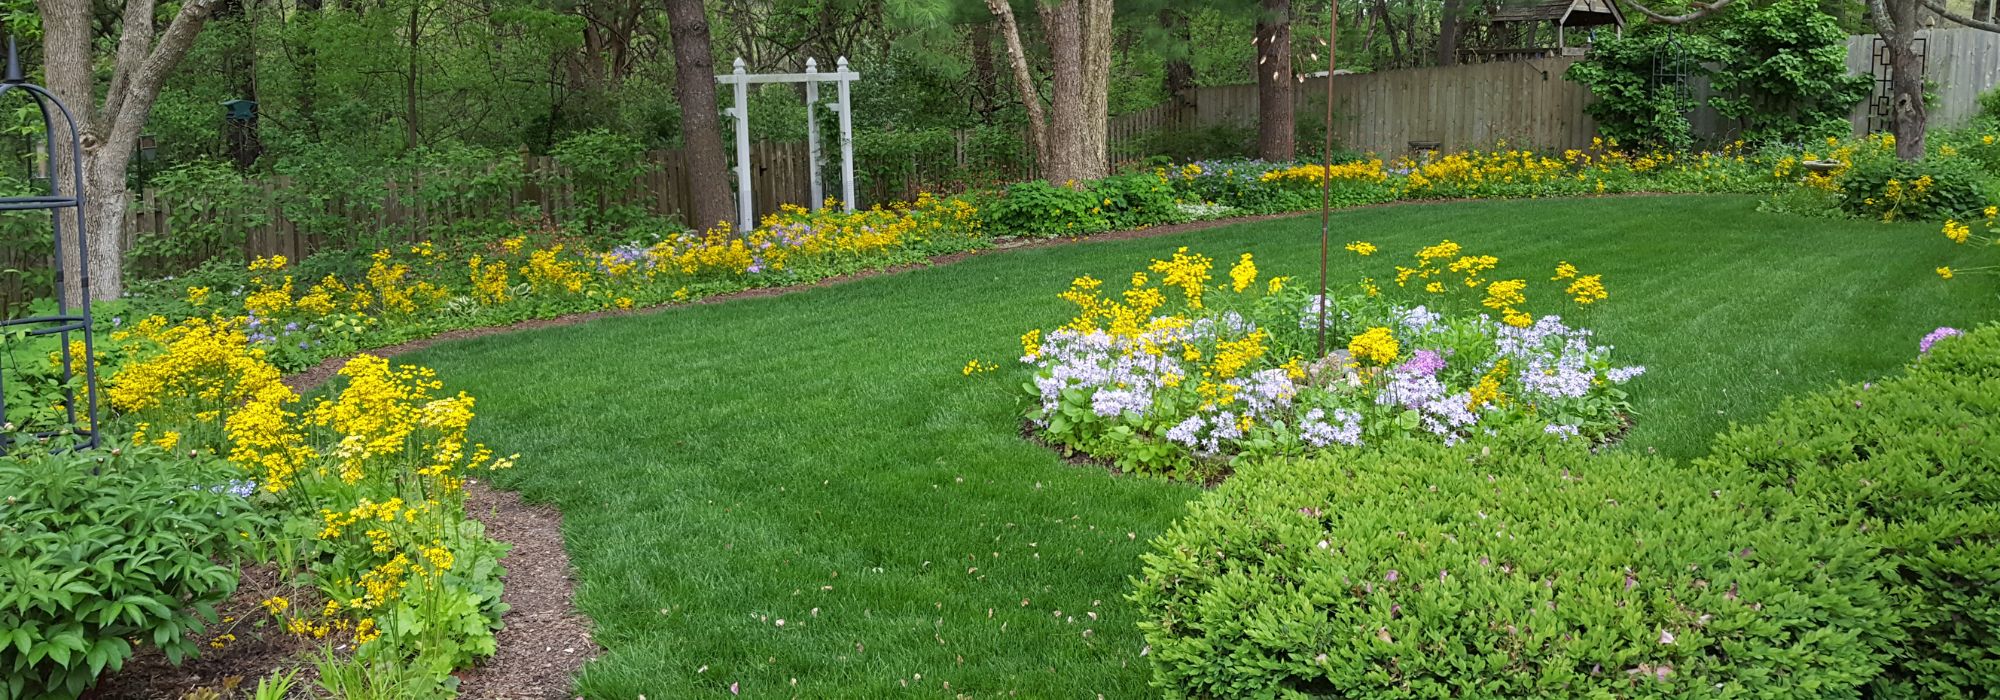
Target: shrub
1043 210
103 549
1913 464
1512 570
1135 201
601 167
1633 105
1783 73
1892 189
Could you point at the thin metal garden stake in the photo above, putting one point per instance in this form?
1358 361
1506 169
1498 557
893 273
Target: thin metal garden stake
1326 169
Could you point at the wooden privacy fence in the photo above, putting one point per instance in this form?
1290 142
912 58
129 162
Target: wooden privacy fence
1530 104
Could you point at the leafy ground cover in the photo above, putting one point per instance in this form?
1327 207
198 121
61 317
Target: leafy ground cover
807 494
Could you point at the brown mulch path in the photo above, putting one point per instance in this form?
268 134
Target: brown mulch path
258 649
545 640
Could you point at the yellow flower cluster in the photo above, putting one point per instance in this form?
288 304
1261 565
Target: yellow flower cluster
1188 272
1313 173
1243 274
1377 346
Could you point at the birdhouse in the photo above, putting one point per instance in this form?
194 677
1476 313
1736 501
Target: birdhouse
239 111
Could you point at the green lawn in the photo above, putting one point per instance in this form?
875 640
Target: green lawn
819 458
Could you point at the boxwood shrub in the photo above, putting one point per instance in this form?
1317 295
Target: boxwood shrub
1515 569
1913 464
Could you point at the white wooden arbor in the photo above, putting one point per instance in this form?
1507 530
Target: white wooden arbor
742 80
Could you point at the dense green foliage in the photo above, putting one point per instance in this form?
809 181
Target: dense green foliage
105 549
1932 189
1912 464
1634 106
1846 545
1783 73
1779 69
1508 569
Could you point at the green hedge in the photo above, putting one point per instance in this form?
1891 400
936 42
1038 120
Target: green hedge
1520 568
1913 462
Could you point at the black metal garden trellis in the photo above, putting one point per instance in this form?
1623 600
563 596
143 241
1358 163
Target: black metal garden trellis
66 322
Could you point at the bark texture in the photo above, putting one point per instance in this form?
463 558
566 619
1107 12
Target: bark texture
110 130
701 122
1277 129
1024 81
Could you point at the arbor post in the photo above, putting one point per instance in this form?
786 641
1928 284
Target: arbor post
846 137
812 132
742 113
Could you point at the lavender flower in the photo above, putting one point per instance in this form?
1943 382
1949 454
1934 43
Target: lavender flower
1422 362
1621 375
1924 346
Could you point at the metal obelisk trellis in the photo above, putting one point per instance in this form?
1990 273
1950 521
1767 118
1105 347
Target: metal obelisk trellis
1326 173
742 79
59 203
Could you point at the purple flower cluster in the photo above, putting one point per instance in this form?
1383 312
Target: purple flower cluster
1445 415
1343 429
1119 379
1924 346
1562 431
633 254
1419 319
1555 361
1422 362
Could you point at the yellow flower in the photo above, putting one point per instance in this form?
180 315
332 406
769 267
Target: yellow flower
1587 289
1362 248
197 295
1031 344
1377 345
1957 232
276 604
1504 294
1564 271
1243 274
1277 285
1944 272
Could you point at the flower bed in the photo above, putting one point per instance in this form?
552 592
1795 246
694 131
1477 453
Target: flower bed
364 487
1178 374
300 312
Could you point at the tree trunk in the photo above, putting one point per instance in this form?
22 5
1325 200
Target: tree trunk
245 143
1276 130
1896 21
1095 132
1448 33
412 116
1389 28
1024 81
1062 24
111 130
1182 109
701 122
985 75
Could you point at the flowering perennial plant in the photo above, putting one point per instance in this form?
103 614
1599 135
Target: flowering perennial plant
1986 238
420 289
366 485
1176 375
